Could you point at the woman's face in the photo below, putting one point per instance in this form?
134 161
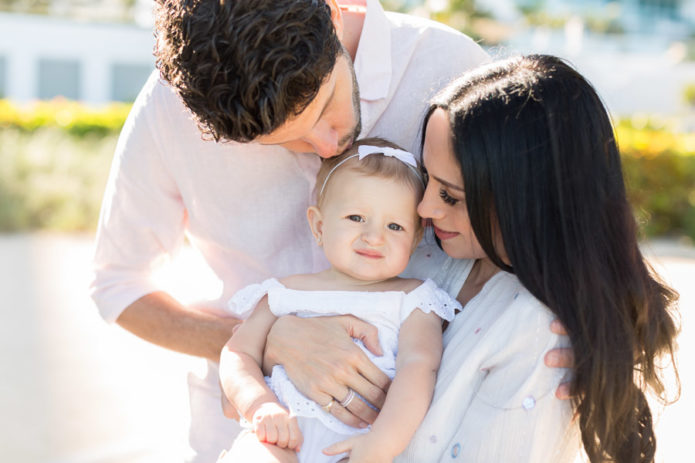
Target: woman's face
444 200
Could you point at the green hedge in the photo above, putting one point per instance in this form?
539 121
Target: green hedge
55 157
69 116
689 94
54 161
50 180
659 166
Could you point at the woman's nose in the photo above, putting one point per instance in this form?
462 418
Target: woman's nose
428 208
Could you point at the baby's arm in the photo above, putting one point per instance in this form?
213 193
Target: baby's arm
243 383
408 398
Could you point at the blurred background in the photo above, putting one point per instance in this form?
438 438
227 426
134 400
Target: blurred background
74 389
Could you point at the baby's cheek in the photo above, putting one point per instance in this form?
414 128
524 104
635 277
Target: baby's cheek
404 251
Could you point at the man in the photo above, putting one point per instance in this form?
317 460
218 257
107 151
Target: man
216 148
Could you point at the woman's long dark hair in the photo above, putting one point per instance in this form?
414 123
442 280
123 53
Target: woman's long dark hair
541 167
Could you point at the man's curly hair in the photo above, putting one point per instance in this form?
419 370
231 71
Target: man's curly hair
244 67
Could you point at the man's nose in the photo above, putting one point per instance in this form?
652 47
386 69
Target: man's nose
324 140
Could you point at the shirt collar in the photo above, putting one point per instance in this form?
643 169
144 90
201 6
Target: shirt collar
373 57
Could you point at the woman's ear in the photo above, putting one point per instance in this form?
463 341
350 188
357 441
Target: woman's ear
337 18
313 215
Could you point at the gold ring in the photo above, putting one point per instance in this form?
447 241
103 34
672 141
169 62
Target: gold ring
327 408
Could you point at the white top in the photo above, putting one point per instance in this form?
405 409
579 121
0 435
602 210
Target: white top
244 205
386 310
494 400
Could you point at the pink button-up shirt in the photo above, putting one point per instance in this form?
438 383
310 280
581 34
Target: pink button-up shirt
243 205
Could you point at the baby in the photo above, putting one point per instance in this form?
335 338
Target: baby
366 222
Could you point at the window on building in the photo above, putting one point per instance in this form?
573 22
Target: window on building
667 8
3 77
127 80
59 78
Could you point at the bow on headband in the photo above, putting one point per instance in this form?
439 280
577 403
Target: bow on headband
365 150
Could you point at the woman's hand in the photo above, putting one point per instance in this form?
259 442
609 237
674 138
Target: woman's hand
273 424
363 448
560 358
323 362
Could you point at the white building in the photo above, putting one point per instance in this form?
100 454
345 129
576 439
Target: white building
675 18
643 69
42 57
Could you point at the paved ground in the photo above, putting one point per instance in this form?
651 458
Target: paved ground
75 390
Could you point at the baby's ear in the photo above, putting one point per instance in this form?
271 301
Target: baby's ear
313 215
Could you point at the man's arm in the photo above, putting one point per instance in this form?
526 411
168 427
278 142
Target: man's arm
162 320
142 224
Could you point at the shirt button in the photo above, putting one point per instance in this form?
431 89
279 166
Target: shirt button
528 403
455 450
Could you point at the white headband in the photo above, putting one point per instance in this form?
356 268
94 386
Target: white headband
365 150
403 156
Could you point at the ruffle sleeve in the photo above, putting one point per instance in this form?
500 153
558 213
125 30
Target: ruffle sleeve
245 300
428 297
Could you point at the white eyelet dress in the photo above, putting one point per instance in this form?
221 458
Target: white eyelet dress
386 310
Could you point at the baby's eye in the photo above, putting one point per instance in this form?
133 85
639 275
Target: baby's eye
355 218
395 227
447 198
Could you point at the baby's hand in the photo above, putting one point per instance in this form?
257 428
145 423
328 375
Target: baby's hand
274 425
364 448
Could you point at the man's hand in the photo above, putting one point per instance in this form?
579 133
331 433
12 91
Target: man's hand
322 360
560 358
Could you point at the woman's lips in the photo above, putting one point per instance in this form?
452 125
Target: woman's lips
443 235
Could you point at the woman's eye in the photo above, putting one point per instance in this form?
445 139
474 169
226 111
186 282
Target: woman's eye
355 218
447 198
395 227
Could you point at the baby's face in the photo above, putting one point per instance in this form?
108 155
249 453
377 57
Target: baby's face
370 225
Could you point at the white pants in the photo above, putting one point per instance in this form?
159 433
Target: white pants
210 431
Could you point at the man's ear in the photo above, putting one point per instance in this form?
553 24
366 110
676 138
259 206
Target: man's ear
313 215
337 18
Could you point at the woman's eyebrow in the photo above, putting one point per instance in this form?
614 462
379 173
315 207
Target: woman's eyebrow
450 185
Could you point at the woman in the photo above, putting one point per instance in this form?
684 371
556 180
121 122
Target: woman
526 196
525 178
